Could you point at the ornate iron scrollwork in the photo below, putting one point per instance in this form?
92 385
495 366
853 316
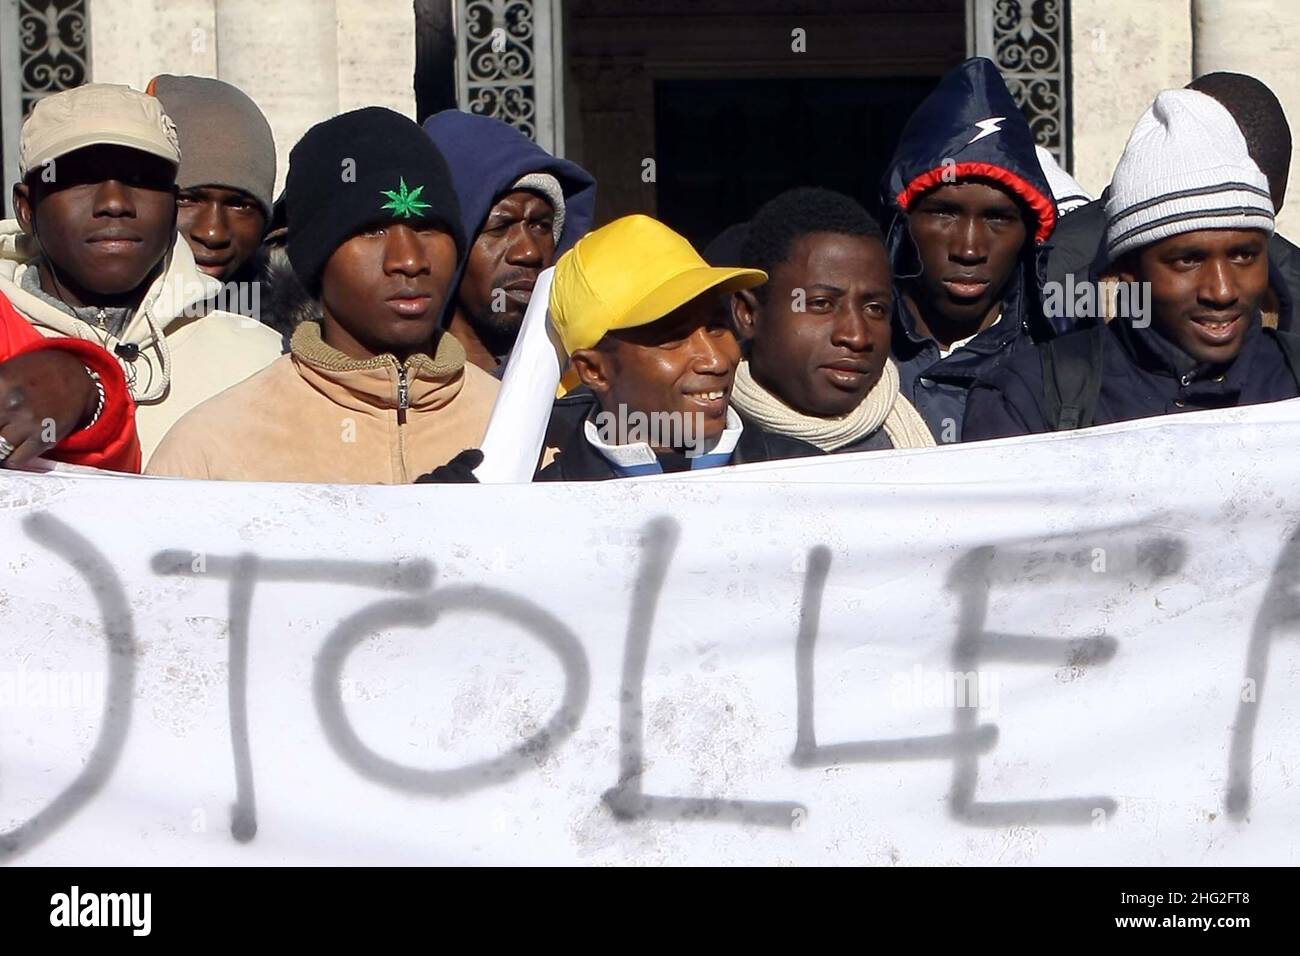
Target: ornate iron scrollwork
1029 42
499 58
52 48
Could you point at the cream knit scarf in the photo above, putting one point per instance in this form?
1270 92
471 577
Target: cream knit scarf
882 406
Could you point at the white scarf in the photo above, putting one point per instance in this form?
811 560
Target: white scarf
883 406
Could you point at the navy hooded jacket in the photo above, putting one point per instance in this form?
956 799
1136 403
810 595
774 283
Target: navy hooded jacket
969 127
1142 375
487 156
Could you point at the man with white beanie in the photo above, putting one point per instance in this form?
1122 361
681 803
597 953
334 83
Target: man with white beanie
1188 218
1078 251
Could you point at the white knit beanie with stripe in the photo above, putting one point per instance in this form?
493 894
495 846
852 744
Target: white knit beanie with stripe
1185 168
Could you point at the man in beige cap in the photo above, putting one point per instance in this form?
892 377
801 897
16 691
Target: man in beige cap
94 254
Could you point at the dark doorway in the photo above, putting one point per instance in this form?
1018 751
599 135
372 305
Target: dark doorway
724 147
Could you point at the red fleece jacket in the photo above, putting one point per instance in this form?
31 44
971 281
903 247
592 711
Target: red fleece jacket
109 443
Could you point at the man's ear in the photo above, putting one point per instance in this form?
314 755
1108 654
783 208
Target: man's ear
23 209
744 313
1124 268
592 368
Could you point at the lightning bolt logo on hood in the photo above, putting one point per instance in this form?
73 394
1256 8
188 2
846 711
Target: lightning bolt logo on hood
987 127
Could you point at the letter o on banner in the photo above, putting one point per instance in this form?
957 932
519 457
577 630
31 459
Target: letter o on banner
423 611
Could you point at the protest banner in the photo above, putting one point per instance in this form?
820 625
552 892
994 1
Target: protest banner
1061 649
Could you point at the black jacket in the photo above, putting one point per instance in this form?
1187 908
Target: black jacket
1143 375
1079 249
579 461
878 440
969 127
1078 244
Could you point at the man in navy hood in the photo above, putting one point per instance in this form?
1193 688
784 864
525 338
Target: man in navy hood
972 212
521 208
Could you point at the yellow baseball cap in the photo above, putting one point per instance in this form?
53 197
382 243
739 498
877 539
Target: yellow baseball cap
629 273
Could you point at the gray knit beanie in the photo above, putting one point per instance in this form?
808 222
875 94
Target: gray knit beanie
225 139
548 187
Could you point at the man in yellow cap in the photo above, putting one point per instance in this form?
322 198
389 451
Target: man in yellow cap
633 304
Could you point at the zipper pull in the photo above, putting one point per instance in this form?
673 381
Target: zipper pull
403 395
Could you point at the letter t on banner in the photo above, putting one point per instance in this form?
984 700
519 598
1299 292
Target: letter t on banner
518 425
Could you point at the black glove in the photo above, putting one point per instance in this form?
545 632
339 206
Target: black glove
459 469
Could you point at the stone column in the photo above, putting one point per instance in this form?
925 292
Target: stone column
1259 37
132 41
376 54
301 62
1122 54
285 56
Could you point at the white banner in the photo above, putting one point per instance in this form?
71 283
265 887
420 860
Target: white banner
1062 649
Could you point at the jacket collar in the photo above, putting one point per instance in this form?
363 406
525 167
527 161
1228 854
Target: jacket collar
111 318
1152 352
376 384
638 458
998 337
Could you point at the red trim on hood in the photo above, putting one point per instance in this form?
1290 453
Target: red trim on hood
1044 207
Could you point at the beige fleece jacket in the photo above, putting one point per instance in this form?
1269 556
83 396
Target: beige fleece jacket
316 415
187 352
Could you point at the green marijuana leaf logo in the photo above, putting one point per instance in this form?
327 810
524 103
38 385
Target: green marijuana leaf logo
403 203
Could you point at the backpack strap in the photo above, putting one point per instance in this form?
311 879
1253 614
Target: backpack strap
1290 345
1072 378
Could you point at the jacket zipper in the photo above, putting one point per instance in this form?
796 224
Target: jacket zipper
403 395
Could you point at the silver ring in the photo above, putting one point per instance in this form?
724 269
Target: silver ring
6 449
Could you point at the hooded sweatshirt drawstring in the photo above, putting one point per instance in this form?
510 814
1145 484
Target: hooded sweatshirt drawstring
159 388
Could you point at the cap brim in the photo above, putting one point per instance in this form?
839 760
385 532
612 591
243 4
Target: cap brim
99 138
682 288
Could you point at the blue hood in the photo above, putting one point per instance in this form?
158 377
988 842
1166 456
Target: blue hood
488 156
970 127
969 120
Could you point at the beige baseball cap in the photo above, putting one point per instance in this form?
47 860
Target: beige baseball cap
93 115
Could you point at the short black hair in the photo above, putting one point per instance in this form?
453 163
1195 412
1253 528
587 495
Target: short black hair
1261 120
727 248
799 212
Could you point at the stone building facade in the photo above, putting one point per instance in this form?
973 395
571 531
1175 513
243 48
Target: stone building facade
692 109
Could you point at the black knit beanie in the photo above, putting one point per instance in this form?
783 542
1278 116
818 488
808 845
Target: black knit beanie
360 169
